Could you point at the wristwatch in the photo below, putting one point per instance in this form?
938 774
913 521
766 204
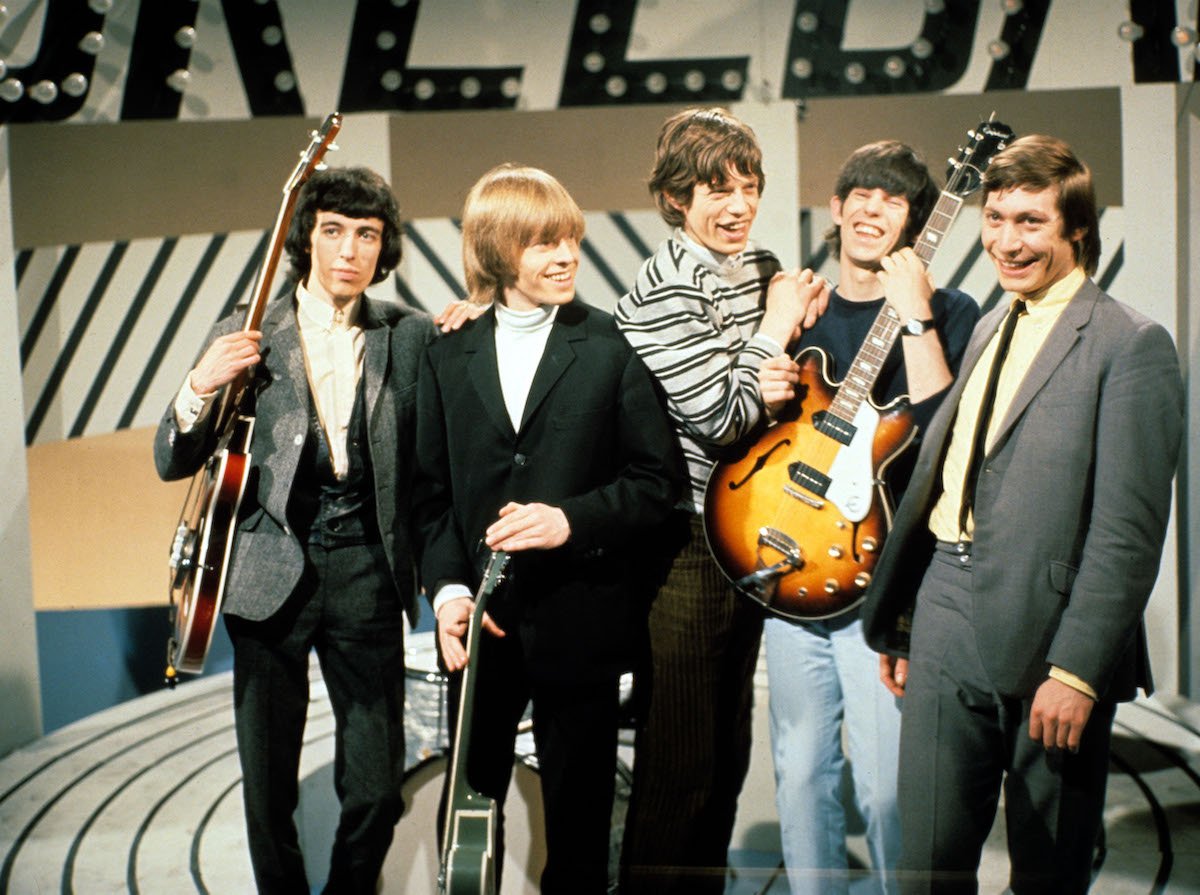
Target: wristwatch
915 327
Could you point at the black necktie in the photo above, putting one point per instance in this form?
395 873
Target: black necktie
986 405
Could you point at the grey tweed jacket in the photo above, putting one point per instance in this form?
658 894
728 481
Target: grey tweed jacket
268 559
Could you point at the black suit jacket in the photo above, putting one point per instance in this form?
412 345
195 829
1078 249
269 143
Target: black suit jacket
594 441
267 558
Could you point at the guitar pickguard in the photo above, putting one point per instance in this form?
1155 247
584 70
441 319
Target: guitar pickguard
852 480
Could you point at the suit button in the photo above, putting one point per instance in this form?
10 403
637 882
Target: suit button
520 459
298 440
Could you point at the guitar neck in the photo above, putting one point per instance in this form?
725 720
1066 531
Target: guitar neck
493 574
868 363
230 401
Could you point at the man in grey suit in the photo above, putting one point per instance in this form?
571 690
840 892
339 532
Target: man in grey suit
1028 552
321 556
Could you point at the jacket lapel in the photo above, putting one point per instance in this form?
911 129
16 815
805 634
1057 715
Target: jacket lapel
376 352
557 357
1061 339
479 346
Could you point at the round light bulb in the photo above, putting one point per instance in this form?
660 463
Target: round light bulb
894 67
998 49
285 81
470 88
855 73
1130 31
807 22
101 6
802 68
922 48
391 80
179 80
75 84
11 90
92 43
656 82
1183 37
694 80
185 37
593 62
615 86
44 92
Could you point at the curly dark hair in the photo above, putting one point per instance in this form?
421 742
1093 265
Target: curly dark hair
898 170
700 146
354 192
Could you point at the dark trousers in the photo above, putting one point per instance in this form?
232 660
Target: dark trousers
961 742
347 608
692 746
575 733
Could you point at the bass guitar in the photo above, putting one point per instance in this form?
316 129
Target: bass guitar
797 520
468 865
204 536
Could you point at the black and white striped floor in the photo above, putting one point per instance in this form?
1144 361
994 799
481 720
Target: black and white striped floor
145 798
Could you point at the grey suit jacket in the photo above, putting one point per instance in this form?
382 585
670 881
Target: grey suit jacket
1071 505
267 558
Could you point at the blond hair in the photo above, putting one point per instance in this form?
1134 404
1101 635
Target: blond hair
507 210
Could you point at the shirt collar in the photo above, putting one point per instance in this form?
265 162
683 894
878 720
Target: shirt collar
714 261
1053 297
326 316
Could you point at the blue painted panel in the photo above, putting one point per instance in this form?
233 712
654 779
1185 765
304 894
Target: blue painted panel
93 659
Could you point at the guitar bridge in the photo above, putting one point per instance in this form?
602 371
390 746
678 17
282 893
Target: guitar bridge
762 584
804 498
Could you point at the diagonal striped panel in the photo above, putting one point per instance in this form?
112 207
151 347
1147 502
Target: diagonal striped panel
107 330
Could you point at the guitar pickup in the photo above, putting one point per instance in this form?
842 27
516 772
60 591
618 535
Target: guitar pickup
808 478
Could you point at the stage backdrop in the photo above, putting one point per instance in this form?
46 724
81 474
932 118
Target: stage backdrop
148 142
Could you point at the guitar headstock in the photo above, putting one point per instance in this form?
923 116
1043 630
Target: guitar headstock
311 158
965 173
493 574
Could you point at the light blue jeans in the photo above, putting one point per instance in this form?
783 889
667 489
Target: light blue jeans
822 677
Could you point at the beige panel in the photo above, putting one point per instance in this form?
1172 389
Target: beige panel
95 183
101 182
101 522
936 125
602 156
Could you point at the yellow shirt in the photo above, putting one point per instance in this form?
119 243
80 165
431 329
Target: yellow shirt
1042 312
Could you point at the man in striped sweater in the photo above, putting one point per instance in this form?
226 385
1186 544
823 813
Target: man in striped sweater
707 310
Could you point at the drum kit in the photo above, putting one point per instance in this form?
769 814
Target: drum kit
412 862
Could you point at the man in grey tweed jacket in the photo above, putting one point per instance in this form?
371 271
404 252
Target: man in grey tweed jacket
321 556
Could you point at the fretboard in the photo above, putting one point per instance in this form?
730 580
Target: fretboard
868 363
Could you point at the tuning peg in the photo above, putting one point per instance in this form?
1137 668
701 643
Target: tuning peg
333 147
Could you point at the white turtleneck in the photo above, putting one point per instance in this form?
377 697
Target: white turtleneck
520 342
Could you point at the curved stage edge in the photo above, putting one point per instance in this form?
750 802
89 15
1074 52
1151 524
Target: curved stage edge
145 797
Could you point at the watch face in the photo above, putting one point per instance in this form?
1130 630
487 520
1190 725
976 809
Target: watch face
916 327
